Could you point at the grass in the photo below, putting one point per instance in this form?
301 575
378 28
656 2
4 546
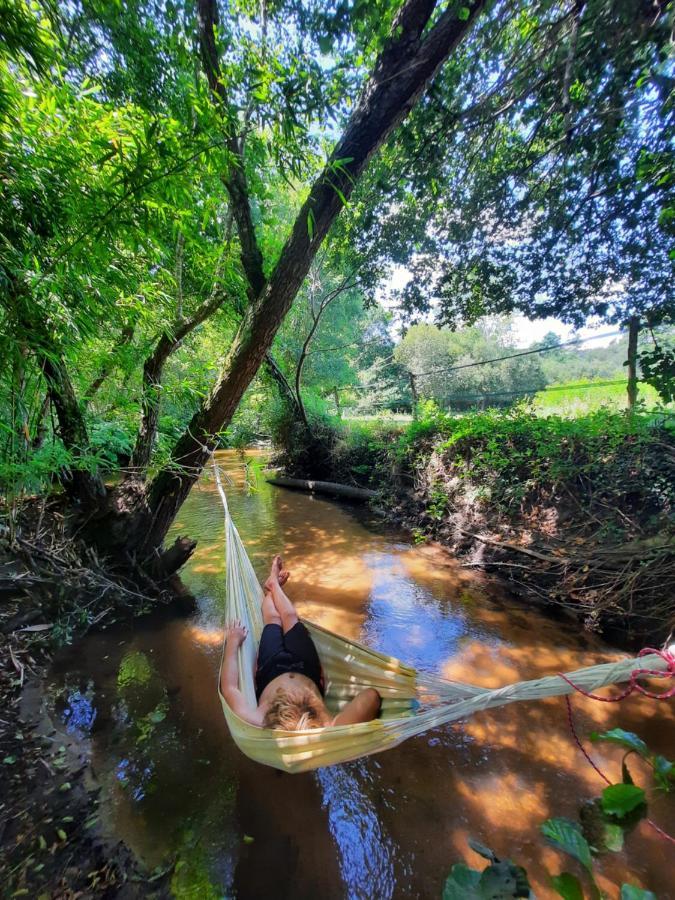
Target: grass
577 398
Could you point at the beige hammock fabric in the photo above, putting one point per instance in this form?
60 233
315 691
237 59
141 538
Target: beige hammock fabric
412 702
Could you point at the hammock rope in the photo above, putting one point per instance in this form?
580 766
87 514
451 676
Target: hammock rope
412 702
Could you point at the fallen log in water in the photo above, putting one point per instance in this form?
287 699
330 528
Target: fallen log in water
332 488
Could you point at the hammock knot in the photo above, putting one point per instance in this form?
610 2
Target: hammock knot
668 656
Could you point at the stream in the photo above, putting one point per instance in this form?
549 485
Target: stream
140 702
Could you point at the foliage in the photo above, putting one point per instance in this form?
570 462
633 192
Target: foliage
441 363
500 880
517 451
658 368
576 839
550 190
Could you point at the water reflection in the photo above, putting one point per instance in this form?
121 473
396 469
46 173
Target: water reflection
79 713
406 621
366 851
175 788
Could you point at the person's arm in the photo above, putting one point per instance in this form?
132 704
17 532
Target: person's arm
363 708
235 635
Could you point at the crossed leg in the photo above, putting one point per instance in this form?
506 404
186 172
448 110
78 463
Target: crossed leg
276 604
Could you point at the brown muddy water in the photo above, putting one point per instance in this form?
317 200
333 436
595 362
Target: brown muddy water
141 701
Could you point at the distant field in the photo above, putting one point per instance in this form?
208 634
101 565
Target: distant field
572 399
580 397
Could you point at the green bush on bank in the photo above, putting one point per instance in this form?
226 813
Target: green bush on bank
516 455
510 456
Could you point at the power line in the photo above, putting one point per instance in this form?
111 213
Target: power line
485 362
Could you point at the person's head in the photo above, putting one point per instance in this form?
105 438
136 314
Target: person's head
296 712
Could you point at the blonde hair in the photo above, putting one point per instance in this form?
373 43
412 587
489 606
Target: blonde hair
294 712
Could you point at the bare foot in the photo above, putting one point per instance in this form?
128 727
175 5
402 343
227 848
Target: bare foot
277 566
278 575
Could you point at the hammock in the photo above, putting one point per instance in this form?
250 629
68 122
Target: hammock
412 702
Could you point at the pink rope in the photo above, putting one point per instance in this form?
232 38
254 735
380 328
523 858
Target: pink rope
666 656
669 659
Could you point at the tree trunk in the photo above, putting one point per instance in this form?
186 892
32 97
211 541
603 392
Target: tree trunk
285 388
406 65
633 332
415 395
153 370
336 397
80 484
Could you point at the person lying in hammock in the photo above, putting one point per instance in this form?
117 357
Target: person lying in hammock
288 678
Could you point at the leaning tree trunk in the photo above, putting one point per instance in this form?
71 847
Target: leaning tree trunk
632 386
410 59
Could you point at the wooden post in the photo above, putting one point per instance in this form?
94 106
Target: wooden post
413 391
336 397
633 331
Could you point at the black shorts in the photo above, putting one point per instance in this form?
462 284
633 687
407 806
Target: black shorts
280 653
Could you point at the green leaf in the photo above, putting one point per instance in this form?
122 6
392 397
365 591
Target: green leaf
568 886
613 837
462 883
664 772
463 13
620 799
630 892
600 834
566 835
624 739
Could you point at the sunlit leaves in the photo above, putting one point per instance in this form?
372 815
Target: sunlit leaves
500 880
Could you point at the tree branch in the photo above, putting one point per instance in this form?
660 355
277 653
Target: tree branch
153 370
406 65
235 180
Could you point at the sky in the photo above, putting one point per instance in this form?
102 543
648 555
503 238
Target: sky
525 332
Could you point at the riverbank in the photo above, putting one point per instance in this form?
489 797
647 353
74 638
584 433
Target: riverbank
54 590
574 514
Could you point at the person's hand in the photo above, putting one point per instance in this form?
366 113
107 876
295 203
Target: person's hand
235 633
